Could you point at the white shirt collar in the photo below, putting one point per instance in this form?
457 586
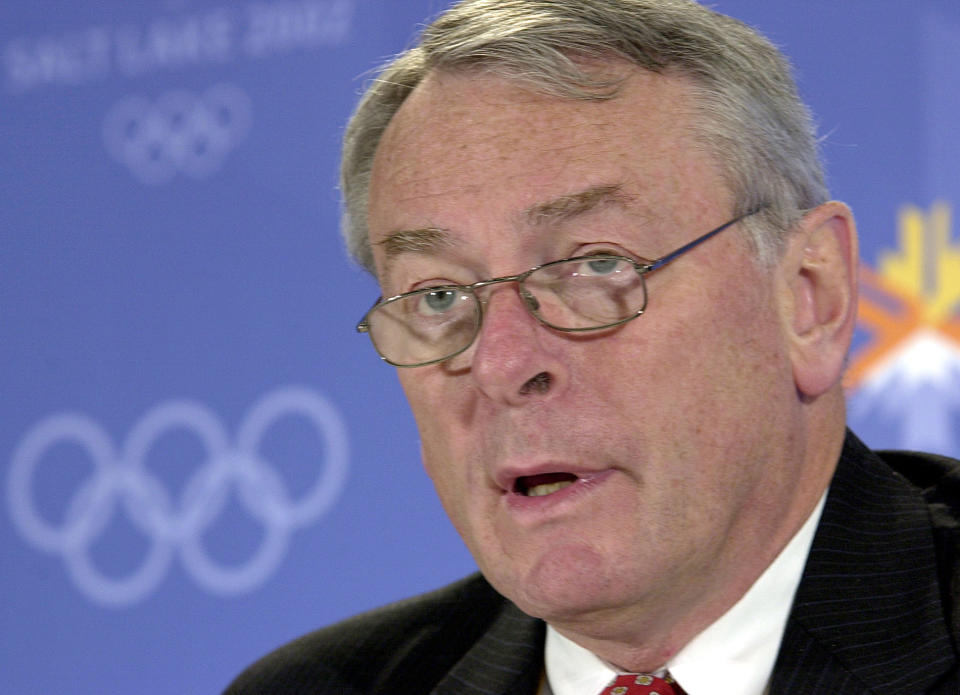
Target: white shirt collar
733 656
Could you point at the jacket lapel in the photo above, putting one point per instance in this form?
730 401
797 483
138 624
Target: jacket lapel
867 617
506 660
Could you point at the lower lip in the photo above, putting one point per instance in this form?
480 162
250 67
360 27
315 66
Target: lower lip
564 497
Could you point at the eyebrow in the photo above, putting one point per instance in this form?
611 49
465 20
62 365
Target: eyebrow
431 240
426 241
565 207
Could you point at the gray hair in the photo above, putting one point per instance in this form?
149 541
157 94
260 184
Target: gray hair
751 118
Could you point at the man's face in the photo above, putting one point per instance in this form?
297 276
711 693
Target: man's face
667 435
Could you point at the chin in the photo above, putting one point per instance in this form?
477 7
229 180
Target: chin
566 582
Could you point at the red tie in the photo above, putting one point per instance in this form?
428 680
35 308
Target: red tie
642 684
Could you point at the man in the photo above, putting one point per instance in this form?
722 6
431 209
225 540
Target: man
620 301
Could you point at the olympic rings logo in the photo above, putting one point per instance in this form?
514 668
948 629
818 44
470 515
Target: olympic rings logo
179 132
122 482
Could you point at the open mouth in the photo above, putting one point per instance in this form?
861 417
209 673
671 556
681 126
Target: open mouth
544 484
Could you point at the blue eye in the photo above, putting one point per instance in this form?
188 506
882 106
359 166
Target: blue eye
603 266
438 301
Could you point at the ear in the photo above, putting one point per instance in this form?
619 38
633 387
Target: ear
818 283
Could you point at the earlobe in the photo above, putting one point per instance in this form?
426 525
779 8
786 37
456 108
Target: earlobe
819 267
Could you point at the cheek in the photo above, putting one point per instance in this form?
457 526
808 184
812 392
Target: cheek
438 406
436 402
693 360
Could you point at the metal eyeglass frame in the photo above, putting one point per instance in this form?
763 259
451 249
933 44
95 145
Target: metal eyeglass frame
531 303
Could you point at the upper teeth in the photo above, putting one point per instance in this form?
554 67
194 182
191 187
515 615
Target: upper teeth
547 488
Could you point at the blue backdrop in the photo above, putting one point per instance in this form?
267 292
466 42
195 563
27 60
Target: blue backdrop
199 458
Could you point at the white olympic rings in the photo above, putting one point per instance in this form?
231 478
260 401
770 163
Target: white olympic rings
179 132
123 478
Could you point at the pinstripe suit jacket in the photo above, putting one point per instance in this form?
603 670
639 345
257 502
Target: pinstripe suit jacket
876 613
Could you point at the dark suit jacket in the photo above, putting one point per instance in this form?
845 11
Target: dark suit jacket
877 610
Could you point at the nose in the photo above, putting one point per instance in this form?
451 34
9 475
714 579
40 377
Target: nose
515 359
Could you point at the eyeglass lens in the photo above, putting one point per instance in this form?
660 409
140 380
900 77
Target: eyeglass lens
573 295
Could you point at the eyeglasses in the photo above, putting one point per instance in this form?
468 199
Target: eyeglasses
584 293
